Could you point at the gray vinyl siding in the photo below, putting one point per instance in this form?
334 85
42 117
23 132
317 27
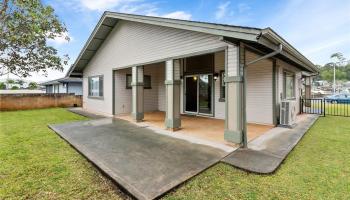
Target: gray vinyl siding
150 101
56 88
62 88
259 90
219 60
49 89
123 96
283 66
132 43
161 87
154 98
75 88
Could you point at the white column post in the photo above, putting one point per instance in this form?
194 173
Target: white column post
172 82
234 119
137 93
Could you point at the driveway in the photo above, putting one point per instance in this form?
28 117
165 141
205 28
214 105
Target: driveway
145 163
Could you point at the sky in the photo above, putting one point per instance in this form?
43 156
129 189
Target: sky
317 28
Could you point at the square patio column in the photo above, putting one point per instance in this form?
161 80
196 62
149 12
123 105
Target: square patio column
234 96
137 93
172 83
308 87
308 91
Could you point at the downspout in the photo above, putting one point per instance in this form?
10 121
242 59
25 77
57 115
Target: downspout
279 50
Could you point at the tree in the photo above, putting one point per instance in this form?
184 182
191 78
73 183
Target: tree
25 27
15 87
32 85
20 82
342 67
2 86
340 60
10 81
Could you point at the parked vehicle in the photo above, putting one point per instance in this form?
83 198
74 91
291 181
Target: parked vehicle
319 92
339 98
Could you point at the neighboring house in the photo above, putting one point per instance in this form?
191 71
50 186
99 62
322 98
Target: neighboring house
21 91
64 85
133 64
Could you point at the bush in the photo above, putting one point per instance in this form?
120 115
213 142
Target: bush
14 87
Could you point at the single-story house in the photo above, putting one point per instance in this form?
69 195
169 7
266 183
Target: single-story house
64 85
133 64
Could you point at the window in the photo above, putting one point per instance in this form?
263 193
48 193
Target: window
288 85
128 81
222 86
147 84
96 86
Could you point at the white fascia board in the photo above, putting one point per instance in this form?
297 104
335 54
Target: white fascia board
249 34
246 33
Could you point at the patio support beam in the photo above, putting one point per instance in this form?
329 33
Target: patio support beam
137 93
172 83
234 128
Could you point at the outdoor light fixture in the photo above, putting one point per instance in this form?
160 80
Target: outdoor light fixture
195 78
216 76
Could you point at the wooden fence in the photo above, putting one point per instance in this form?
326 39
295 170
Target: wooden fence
34 101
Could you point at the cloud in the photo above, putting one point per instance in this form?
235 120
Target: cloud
222 10
139 8
317 27
133 7
178 15
101 5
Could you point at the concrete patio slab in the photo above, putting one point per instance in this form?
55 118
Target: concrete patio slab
267 152
145 163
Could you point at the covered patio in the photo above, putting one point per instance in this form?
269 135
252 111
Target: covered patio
206 128
191 96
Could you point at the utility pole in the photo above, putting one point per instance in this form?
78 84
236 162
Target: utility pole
334 79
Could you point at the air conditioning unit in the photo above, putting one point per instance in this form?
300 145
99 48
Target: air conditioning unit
288 113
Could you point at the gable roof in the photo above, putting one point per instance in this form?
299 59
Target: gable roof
63 80
265 37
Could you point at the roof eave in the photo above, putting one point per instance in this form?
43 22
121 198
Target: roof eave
244 33
266 37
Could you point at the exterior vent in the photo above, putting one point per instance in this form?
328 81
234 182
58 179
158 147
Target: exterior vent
288 113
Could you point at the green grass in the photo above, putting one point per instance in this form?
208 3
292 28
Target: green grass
318 168
36 164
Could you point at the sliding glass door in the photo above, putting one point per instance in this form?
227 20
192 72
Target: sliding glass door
191 94
199 94
205 94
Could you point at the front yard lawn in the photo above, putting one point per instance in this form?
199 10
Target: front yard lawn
36 164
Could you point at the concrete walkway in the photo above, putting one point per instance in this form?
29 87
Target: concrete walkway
266 153
145 163
84 113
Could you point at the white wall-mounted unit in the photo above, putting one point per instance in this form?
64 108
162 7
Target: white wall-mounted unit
288 113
